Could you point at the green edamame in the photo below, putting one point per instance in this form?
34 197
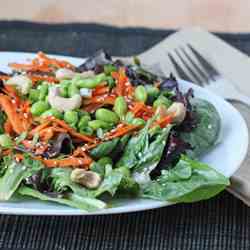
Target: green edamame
52 112
39 107
34 95
5 141
152 91
141 94
43 89
95 124
64 85
106 115
73 90
120 106
89 83
86 130
109 68
83 121
162 100
71 117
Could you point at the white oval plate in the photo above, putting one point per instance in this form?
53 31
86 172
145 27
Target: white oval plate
226 157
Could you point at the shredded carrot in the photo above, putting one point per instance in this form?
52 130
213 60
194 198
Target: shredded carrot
35 78
52 61
72 131
27 144
163 122
39 128
8 127
100 90
41 149
120 131
19 157
121 80
4 77
18 121
68 162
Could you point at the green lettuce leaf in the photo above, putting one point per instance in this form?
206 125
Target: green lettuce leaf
73 200
15 173
188 181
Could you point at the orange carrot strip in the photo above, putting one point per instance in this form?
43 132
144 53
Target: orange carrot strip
19 157
122 131
8 127
163 122
39 128
68 162
4 77
15 118
72 131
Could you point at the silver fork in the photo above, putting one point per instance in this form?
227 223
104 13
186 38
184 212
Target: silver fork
190 65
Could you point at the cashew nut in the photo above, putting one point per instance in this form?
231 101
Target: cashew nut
64 74
61 103
88 179
69 74
178 110
22 83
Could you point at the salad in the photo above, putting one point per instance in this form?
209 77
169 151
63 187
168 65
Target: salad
83 135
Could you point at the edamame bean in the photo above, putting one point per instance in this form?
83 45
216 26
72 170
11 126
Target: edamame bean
90 83
73 90
138 121
108 68
105 160
39 107
141 94
95 124
106 115
52 112
64 85
34 95
86 130
71 117
5 141
152 91
162 100
120 106
83 121
43 91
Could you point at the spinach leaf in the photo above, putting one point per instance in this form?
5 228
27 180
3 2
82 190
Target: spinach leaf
15 173
72 199
110 183
143 152
104 148
206 134
2 121
188 181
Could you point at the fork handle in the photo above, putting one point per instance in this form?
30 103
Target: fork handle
242 99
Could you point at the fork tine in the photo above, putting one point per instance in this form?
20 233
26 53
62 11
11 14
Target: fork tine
208 67
178 69
197 68
190 70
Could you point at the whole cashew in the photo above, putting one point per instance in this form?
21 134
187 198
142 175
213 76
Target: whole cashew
63 73
61 103
179 112
88 179
22 83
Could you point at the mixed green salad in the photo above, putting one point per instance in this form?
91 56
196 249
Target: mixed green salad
83 135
